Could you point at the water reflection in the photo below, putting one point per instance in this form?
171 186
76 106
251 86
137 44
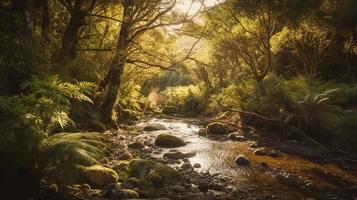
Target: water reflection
280 179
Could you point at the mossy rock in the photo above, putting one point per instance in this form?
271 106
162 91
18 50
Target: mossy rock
169 174
136 145
170 141
216 128
139 168
202 132
115 192
99 176
154 127
130 114
163 175
170 110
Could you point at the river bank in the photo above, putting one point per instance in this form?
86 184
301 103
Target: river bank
209 169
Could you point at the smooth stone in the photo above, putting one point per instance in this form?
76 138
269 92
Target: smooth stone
136 145
242 160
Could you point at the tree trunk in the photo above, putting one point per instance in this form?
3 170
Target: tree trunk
45 24
25 8
113 77
70 37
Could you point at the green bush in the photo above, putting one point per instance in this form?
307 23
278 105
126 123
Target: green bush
188 99
27 150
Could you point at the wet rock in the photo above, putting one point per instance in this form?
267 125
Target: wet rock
242 160
170 141
187 166
136 145
197 165
117 193
236 137
139 168
216 128
261 152
100 176
202 132
169 110
254 145
125 156
154 127
174 155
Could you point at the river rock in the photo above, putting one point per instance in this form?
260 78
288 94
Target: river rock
216 128
170 141
154 127
100 176
139 168
253 145
174 155
115 193
242 160
125 156
236 137
136 145
261 152
202 132
169 110
197 165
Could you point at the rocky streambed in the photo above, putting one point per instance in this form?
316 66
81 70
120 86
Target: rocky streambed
177 159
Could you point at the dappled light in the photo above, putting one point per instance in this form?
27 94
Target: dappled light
178 99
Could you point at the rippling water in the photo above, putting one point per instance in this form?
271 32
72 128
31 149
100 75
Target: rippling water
288 177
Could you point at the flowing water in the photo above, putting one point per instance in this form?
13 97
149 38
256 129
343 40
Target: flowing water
287 177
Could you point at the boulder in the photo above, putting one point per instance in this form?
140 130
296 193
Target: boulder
100 176
136 145
236 137
139 168
169 110
242 160
154 127
202 132
216 128
170 141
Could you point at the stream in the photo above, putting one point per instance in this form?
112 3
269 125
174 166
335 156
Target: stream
286 177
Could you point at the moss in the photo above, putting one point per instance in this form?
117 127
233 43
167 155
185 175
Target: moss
100 176
168 174
139 168
216 128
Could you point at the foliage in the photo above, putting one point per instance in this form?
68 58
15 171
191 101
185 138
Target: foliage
189 99
26 122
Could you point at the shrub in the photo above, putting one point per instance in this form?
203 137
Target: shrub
189 99
28 151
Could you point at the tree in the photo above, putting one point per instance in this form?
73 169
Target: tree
138 18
